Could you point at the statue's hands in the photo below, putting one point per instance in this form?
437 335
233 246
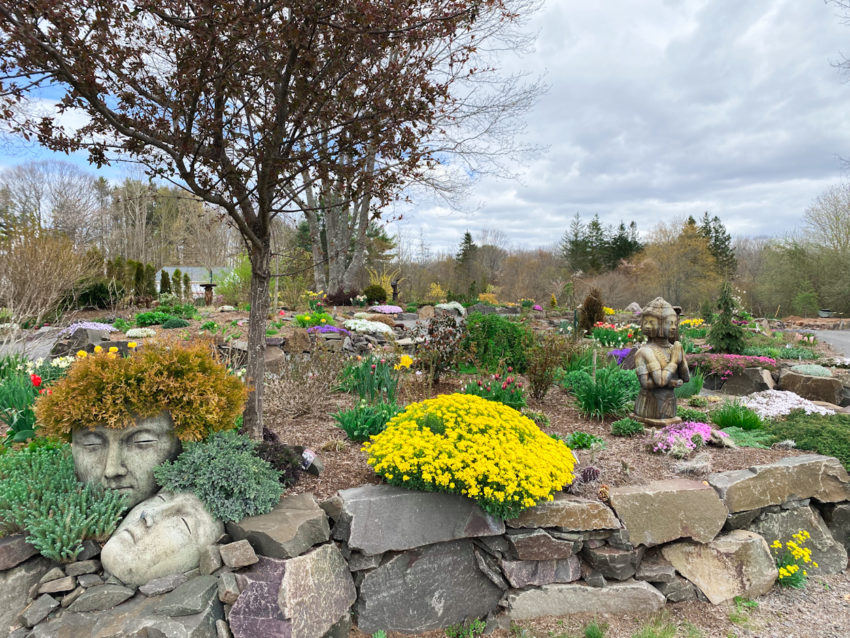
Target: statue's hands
676 383
678 353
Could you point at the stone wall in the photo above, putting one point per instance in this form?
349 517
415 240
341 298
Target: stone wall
391 559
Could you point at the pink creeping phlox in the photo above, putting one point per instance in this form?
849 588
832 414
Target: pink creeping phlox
665 439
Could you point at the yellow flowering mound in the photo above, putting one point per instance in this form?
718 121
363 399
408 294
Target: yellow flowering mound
109 390
464 444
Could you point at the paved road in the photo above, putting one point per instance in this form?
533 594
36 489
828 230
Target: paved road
838 339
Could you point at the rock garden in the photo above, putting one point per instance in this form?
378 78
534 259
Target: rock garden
440 468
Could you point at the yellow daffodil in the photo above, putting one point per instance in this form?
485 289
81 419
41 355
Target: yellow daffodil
82 354
98 349
132 345
113 349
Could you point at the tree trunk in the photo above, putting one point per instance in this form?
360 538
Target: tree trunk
255 368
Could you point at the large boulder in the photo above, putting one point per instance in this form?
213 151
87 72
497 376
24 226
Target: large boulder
316 592
256 612
748 381
827 389
736 564
567 512
837 519
792 478
426 588
296 524
14 550
380 518
630 597
15 583
666 510
828 553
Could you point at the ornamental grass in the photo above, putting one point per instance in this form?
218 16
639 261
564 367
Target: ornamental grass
113 391
464 444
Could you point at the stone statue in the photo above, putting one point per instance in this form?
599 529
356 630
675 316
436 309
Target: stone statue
160 536
660 364
124 459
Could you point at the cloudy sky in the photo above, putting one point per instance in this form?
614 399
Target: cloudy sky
658 109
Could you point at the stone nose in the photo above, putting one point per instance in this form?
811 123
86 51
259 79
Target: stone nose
115 466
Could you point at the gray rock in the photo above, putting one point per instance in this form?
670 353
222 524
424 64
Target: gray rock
67 599
210 559
89 580
654 568
538 545
20 632
488 565
14 550
159 586
592 577
38 610
496 546
238 554
316 592
828 389
380 518
613 563
795 477
15 584
620 539
748 381
360 561
190 598
222 629
541 572
569 513
678 590
82 567
228 588
90 550
636 597
295 525
54 574
427 588
101 597
741 520
828 553
60 585
837 519
341 629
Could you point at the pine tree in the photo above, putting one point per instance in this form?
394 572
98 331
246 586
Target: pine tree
724 335
719 243
164 283
177 283
187 286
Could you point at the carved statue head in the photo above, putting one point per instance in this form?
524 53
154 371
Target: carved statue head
124 459
660 319
160 536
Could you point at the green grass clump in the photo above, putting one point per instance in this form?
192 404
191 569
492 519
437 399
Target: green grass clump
691 414
175 322
812 370
41 496
627 427
698 402
733 414
155 318
582 441
750 438
607 394
824 434
225 472
365 420
692 387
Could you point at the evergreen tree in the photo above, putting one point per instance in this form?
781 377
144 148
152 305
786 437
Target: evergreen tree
724 335
465 262
177 283
187 287
719 243
623 244
150 281
138 278
574 245
164 283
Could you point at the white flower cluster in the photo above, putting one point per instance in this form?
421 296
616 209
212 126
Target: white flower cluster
59 362
369 327
362 315
775 403
452 305
140 333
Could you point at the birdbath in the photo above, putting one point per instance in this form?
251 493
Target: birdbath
208 293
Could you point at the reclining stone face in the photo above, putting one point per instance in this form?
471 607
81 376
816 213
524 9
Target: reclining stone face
160 536
124 459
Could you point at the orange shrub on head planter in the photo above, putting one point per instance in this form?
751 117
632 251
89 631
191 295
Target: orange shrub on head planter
187 381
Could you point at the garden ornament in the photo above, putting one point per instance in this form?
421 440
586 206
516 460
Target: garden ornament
124 459
660 364
160 536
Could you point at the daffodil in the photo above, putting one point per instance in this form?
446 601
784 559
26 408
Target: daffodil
82 354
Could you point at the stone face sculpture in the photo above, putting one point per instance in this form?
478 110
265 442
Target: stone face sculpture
160 536
124 459
660 364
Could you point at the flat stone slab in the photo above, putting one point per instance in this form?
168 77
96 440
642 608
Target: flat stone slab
101 597
573 598
379 518
538 545
14 550
666 510
568 512
828 389
792 478
190 598
38 610
163 585
427 588
736 564
296 524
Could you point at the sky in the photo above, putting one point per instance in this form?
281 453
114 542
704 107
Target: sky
656 110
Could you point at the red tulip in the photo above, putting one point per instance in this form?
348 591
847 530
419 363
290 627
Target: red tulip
36 380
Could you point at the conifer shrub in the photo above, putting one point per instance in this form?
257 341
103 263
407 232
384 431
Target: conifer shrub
824 434
375 294
164 284
464 444
185 380
494 341
592 311
724 335
225 472
174 322
41 496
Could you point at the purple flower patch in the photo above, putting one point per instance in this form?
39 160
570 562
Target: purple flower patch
327 328
87 325
620 353
386 310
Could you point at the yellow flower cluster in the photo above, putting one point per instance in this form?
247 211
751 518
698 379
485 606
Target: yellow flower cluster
465 444
607 310
791 556
488 297
691 323
404 362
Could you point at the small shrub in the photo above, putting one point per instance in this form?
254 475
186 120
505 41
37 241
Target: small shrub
485 443
691 414
592 311
209 326
302 386
734 414
824 434
184 311
627 427
310 319
174 322
439 342
494 341
750 438
40 495
762 351
375 294
98 293
691 387
812 370
724 335
122 324
505 389
365 420
698 402
584 441
225 472
608 393
154 318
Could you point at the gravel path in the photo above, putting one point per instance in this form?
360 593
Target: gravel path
838 339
